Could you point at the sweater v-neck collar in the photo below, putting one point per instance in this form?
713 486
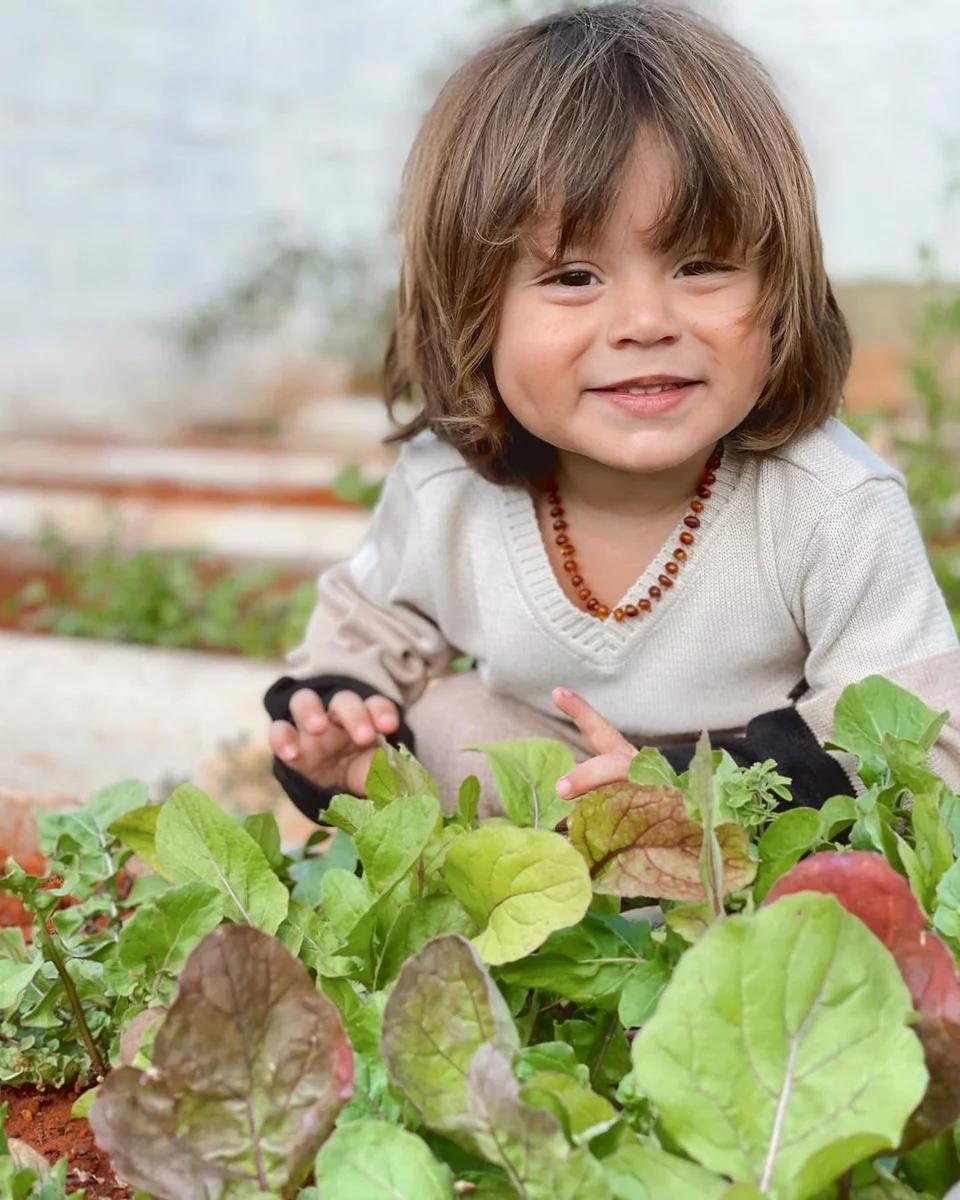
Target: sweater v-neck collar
573 626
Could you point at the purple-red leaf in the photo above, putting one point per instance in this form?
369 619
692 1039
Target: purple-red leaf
638 841
864 883
250 1068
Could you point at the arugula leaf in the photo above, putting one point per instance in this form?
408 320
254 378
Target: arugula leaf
370 1160
250 1068
198 842
640 1172
781 1054
525 772
783 843
390 843
518 885
874 708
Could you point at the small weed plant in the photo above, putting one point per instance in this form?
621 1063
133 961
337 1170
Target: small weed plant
163 599
421 1005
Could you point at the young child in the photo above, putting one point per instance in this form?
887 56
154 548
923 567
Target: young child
624 478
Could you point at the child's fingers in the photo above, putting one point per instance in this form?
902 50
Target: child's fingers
600 734
595 773
383 713
284 740
350 713
307 711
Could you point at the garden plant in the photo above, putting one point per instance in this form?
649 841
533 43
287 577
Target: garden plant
675 987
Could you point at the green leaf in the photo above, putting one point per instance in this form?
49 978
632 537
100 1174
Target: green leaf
640 1172
639 841
311 937
249 1070
137 830
638 1002
525 772
651 768
518 885
946 914
18 965
198 842
308 873
839 812
780 1054
416 923
370 1160
783 844
411 777
265 831
345 899
527 1142
443 1008
468 802
874 708
590 963
349 813
390 843
551 1056
585 1114
159 936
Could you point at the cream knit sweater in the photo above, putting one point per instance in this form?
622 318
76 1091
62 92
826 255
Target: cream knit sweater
808 565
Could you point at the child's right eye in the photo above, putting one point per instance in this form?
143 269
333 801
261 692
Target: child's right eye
574 279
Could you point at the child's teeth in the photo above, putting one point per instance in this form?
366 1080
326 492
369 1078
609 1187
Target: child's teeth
652 391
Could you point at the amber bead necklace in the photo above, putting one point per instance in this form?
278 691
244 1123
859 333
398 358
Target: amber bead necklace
671 568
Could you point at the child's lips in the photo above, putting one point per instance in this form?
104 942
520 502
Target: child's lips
651 403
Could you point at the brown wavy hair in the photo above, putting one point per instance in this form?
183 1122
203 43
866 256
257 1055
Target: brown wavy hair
548 115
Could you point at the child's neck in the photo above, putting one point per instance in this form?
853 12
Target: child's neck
604 489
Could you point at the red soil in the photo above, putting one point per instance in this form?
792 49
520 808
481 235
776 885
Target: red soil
43 1121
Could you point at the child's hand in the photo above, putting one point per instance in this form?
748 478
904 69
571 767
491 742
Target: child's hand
333 747
614 753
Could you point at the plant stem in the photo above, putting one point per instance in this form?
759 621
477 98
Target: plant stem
607 1039
54 956
846 1183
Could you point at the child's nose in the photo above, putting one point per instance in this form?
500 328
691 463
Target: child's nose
642 314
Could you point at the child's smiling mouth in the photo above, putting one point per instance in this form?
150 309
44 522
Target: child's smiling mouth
649 394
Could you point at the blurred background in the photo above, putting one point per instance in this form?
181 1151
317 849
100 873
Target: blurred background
196 258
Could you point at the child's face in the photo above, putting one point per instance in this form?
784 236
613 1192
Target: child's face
619 315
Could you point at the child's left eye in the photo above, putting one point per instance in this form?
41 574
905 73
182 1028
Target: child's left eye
703 266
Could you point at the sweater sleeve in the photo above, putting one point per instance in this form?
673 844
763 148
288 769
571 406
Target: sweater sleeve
373 618
868 604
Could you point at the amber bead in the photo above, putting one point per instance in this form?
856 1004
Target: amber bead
559 524
655 592
703 492
692 522
593 604
680 554
709 478
567 551
671 568
570 566
713 462
665 581
601 612
556 512
619 613
686 538
696 506
584 593
644 605
577 580
562 539
632 610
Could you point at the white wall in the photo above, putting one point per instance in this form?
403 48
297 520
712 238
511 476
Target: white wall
149 148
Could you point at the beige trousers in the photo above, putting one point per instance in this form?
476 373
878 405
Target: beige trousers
458 711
